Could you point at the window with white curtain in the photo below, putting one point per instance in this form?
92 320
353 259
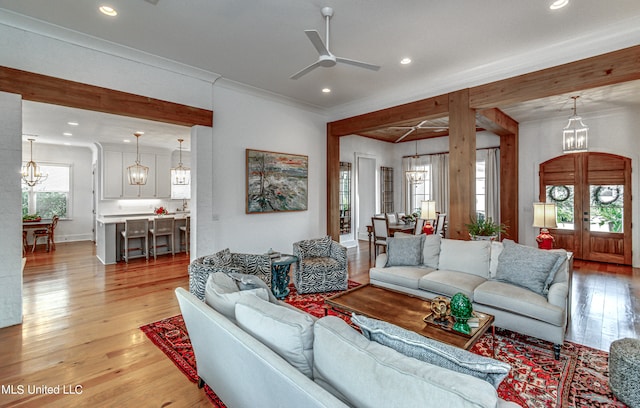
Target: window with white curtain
50 197
481 197
419 192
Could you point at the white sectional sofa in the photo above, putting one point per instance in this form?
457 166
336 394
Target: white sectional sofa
526 289
270 354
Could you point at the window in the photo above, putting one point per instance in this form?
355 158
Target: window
52 196
419 192
345 198
386 190
562 196
481 198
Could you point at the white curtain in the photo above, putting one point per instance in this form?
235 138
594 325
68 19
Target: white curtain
440 182
408 164
492 184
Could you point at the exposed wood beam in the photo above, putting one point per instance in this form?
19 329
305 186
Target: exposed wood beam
606 69
430 108
56 91
496 121
333 184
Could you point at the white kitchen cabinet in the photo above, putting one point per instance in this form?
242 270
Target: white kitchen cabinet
163 175
115 184
112 175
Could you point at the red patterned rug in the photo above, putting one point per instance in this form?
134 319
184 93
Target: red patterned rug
578 379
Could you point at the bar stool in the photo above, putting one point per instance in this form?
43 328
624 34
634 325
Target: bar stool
162 227
185 230
135 229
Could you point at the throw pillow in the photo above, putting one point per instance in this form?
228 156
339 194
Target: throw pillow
222 294
405 251
248 282
528 267
496 250
286 331
431 250
471 257
316 247
220 258
412 344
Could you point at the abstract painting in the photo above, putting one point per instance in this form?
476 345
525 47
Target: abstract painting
276 182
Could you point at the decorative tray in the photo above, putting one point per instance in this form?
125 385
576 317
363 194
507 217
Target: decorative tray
447 324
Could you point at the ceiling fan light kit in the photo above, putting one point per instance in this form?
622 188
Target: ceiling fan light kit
326 58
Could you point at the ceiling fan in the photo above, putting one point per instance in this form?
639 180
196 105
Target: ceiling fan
326 58
420 125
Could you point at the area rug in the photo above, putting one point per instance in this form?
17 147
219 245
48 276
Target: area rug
578 379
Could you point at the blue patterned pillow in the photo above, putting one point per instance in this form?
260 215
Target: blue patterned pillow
412 344
405 251
528 267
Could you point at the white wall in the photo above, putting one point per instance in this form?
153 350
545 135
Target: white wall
245 118
79 226
609 132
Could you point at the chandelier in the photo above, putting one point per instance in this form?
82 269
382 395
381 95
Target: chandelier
31 173
415 176
180 175
574 135
137 173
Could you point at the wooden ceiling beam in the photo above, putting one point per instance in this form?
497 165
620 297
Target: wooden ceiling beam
606 69
496 121
56 91
425 109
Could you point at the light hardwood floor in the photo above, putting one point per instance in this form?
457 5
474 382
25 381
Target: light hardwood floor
81 326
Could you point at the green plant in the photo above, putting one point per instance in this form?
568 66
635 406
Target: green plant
610 215
485 227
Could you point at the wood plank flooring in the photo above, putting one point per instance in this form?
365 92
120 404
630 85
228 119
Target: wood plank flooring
82 318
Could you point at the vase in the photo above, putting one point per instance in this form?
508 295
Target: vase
462 310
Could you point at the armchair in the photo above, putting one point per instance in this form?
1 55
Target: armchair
227 262
321 265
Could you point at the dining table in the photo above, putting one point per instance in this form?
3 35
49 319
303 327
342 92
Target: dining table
392 229
27 225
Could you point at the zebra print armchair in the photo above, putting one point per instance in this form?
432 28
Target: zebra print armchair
227 262
321 265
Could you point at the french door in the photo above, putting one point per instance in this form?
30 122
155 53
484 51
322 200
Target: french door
592 192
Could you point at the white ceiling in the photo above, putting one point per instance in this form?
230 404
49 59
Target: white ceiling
262 43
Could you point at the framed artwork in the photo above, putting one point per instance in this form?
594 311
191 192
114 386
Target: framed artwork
276 182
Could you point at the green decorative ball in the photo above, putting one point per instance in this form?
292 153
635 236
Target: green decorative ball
461 306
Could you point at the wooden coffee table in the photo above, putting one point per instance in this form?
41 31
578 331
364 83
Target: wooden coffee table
404 310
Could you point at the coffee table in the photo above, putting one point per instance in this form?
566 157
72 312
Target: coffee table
406 311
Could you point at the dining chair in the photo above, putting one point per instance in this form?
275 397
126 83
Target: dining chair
380 233
440 224
25 244
399 216
135 229
185 230
47 233
418 227
392 218
162 227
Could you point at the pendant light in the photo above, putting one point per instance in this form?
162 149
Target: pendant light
180 175
574 135
415 176
31 173
137 173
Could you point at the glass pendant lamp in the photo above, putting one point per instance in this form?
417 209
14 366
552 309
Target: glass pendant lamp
180 175
137 173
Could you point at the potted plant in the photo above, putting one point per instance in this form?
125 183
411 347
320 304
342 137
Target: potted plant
485 229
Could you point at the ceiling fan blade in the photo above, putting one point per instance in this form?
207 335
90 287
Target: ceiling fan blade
315 39
405 135
305 70
358 63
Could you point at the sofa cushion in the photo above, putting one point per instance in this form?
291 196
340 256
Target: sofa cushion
412 344
222 294
465 256
505 296
316 247
248 282
406 250
286 331
368 374
405 276
449 283
431 250
528 267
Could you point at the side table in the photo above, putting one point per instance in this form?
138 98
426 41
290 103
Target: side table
280 275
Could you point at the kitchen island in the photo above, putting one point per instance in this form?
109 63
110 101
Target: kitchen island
109 228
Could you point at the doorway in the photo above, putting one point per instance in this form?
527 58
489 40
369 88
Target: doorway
592 193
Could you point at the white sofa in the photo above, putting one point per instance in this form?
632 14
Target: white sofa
474 268
348 370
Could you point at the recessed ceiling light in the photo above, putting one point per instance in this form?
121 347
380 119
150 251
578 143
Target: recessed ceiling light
326 90
108 10
127 141
73 123
405 61
558 4
68 134
67 144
